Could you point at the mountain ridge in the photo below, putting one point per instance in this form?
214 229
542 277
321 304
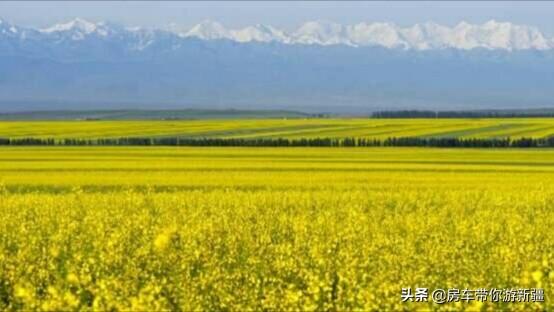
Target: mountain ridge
103 66
152 114
426 36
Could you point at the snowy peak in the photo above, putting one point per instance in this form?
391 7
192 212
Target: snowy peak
321 32
7 29
494 35
80 28
380 34
209 30
259 32
76 24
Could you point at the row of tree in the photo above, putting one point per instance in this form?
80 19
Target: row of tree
284 142
460 114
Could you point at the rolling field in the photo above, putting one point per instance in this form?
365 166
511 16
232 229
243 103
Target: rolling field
285 128
126 228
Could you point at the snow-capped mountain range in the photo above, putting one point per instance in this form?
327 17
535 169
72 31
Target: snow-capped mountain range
490 35
320 66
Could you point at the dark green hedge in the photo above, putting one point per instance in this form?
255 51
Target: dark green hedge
283 142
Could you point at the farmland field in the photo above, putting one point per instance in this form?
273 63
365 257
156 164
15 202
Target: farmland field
152 228
285 128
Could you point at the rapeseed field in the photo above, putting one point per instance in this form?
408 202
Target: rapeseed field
284 128
283 229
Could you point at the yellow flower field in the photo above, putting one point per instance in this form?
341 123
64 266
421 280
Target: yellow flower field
294 128
121 228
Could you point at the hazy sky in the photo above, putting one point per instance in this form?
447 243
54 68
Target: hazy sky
282 14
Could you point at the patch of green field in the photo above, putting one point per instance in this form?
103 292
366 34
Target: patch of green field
284 128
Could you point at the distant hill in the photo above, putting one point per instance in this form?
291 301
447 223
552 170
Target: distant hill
150 114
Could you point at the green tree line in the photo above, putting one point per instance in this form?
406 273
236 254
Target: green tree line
460 114
284 142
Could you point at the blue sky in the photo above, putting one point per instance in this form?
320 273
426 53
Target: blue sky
282 14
